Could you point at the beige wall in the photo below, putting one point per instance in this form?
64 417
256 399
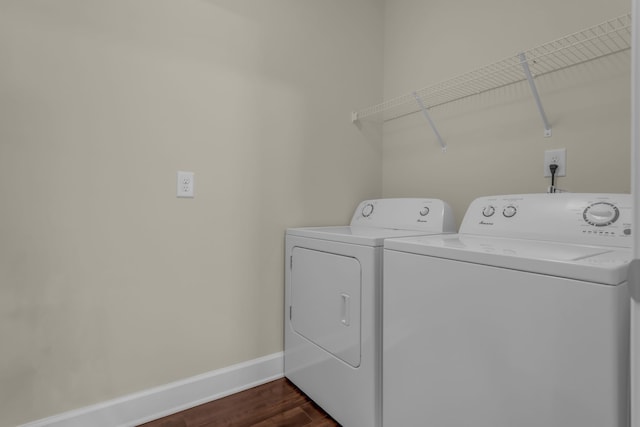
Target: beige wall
109 284
495 140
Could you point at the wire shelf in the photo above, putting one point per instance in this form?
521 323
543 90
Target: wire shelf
601 40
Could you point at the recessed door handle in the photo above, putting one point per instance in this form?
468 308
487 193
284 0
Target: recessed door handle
346 309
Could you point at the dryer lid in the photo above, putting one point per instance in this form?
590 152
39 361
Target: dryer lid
376 220
355 235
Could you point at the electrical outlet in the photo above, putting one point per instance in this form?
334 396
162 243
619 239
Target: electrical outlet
558 157
185 184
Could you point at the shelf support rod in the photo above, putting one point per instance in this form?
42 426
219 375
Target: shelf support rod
536 96
428 117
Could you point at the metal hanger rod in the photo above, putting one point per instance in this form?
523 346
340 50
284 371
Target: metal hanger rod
428 117
534 91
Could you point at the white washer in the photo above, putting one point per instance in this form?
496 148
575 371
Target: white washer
521 319
333 281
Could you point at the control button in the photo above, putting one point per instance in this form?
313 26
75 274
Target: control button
488 211
424 211
627 231
367 210
509 211
601 214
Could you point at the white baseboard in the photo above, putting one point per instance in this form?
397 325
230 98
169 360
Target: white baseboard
168 399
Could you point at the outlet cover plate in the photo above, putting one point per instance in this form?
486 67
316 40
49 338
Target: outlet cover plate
558 157
185 184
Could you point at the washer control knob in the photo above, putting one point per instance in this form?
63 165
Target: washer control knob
367 210
424 211
601 214
509 211
488 211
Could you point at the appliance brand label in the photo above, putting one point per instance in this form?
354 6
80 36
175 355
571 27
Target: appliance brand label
485 223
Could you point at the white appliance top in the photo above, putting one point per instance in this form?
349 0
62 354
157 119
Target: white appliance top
580 236
376 220
599 219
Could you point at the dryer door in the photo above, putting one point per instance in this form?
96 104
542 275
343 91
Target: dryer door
325 295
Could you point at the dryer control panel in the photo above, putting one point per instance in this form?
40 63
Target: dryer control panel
429 215
585 218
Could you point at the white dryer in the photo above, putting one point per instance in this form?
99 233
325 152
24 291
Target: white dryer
333 279
521 319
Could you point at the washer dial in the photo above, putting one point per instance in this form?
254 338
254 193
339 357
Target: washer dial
424 211
601 214
367 210
488 211
509 211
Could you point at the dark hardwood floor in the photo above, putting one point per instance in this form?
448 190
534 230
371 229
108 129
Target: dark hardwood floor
275 404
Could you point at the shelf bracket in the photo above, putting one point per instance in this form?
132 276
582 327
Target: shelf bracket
534 91
426 114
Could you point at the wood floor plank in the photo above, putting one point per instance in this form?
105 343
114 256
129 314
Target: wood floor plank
314 411
275 404
295 417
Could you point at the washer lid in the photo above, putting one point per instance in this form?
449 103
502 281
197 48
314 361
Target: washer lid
600 264
355 235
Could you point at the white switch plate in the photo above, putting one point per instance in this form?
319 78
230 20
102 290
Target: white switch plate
185 184
559 157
